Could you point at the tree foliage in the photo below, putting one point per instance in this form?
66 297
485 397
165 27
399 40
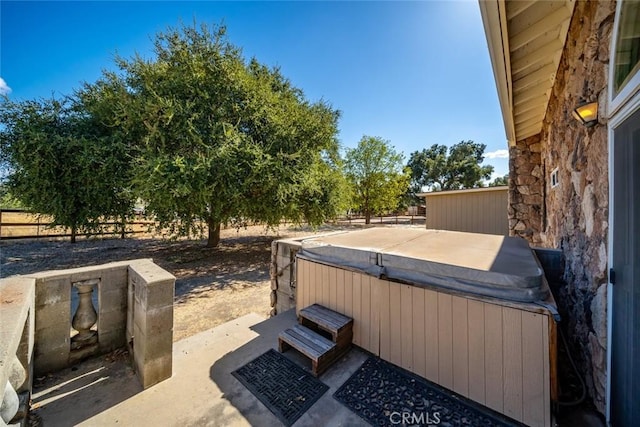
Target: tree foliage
7 200
376 174
500 181
62 165
442 168
220 139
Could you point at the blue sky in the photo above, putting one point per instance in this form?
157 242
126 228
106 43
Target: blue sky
415 73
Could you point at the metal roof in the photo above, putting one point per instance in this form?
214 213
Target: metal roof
526 40
463 190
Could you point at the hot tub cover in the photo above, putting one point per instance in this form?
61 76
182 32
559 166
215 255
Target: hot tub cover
481 264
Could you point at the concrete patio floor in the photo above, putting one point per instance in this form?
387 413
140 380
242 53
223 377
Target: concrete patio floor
201 392
104 391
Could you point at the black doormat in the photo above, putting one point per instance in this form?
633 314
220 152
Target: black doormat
384 394
283 387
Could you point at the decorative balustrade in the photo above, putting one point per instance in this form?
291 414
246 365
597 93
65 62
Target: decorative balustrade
135 308
16 348
85 342
85 316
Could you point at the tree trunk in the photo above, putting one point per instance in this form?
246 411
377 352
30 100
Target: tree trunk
123 225
367 217
214 233
74 231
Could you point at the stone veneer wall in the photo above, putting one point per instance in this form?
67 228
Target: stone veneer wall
575 213
526 189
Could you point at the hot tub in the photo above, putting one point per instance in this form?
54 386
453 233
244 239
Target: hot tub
471 312
480 264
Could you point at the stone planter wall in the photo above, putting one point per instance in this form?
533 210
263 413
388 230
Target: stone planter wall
283 274
573 216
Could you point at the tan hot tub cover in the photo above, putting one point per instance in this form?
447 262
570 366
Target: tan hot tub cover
479 264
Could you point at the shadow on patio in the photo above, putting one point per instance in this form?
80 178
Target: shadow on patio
201 391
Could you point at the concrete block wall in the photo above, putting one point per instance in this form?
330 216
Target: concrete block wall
53 312
135 307
112 307
52 333
150 322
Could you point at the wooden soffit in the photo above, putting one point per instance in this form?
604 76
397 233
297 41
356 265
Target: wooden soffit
526 40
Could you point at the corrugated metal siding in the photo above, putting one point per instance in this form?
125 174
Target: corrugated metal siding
495 355
475 212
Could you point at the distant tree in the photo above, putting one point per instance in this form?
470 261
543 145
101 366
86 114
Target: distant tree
500 181
220 140
324 190
376 174
7 200
460 168
61 165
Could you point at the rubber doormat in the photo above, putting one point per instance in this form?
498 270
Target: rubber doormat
283 387
384 394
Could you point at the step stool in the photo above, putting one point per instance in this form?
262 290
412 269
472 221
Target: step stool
306 337
321 319
316 347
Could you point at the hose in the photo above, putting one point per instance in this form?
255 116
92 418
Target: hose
583 395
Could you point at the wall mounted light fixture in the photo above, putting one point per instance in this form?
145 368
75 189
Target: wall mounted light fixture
586 113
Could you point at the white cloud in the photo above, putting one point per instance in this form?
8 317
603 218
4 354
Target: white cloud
495 175
498 154
4 88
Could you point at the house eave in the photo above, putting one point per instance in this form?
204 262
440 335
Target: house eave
492 12
525 40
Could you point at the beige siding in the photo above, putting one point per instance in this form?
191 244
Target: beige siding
477 356
475 211
495 355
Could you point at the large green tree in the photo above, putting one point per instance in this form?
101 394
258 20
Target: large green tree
61 164
219 139
375 171
442 168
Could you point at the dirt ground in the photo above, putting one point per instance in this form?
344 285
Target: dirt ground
213 286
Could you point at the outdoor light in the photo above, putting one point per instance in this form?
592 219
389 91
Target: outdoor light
586 113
